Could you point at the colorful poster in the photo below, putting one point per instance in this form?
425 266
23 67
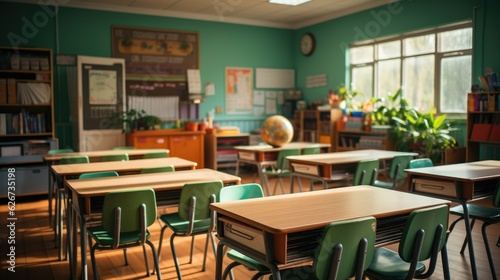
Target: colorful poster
239 90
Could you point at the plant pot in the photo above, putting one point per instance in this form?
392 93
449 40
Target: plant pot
191 126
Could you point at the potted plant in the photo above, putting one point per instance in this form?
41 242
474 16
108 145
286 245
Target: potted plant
130 119
150 122
425 133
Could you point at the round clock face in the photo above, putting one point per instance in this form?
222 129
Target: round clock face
307 44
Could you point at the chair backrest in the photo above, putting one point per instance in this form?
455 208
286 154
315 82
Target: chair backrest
202 192
282 162
156 155
124 148
366 172
74 159
496 196
130 203
420 162
429 221
343 246
59 151
98 175
241 192
117 157
311 150
398 166
159 169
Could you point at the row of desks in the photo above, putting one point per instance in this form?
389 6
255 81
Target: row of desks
280 219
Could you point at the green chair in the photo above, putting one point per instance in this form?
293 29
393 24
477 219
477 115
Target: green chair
397 173
345 250
126 216
168 168
487 215
98 175
52 181
420 163
156 155
124 148
193 217
310 150
280 170
241 192
424 237
117 157
366 172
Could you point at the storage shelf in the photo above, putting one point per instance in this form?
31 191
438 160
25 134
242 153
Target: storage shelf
219 149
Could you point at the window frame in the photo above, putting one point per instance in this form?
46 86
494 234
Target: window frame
438 57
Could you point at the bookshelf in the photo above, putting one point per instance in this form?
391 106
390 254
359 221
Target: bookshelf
219 149
26 94
318 126
347 140
483 122
26 117
308 125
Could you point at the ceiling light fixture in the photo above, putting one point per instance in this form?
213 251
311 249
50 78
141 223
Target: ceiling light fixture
289 2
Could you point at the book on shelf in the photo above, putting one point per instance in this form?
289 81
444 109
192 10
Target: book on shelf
495 130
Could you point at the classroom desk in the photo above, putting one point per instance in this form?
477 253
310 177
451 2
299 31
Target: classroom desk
461 182
88 194
287 233
94 156
67 171
335 166
265 155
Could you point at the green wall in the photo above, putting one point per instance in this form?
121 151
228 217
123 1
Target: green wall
88 32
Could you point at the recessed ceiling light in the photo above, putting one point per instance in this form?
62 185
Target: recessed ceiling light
289 2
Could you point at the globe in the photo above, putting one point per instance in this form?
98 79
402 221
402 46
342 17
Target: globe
277 131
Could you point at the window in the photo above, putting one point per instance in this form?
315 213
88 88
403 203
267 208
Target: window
433 67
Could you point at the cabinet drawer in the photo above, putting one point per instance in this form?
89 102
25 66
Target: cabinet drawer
30 180
151 142
250 237
444 188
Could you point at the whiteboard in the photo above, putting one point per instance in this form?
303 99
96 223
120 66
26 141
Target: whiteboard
275 78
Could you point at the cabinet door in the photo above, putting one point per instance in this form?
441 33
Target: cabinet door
150 142
188 147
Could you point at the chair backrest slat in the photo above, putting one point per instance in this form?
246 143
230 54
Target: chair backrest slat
202 191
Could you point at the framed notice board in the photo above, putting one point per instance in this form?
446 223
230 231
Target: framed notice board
165 54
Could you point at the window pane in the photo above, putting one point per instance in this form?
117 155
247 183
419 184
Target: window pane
455 40
418 81
389 76
362 54
455 83
419 45
362 80
389 50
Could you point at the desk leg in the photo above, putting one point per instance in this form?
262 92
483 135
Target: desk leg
468 231
218 261
83 247
50 192
237 171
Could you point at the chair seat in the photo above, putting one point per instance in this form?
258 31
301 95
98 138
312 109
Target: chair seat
487 214
387 264
103 238
180 226
246 261
301 272
383 184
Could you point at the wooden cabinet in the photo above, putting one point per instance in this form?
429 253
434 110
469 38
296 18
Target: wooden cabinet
308 126
219 149
355 140
483 122
181 143
26 94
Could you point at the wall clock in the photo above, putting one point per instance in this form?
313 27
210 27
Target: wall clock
307 44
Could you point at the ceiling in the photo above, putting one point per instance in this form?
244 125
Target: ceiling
250 12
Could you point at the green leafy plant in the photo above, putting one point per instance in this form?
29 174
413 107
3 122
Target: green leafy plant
130 119
425 133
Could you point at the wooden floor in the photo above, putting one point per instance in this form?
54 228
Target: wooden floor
36 255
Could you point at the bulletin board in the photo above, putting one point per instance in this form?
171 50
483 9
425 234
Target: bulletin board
156 52
239 90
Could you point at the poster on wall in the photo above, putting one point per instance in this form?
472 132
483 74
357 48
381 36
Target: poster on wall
239 90
102 87
158 53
